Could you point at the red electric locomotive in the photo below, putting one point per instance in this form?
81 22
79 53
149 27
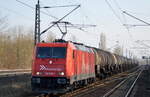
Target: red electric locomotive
61 66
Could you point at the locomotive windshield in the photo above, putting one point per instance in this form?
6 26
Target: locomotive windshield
51 52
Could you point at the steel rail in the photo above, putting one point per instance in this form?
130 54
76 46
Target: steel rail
116 87
132 86
97 84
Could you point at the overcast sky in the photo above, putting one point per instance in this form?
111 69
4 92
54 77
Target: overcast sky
97 12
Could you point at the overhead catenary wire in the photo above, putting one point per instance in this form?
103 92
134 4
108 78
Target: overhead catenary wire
116 3
47 10
123 16
75 26
60 19
138 13
87 18
34 9
130 14
136 18
135 25
59 6
117 16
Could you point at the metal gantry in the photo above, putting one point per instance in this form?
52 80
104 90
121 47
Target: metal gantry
37 24
37 32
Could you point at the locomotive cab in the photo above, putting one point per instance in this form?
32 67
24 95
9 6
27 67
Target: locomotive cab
50 61
49 67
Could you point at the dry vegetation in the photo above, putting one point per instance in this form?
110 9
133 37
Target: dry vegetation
16 47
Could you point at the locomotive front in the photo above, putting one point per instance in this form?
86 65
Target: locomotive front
48 69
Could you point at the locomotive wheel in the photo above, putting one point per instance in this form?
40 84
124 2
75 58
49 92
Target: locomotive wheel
72 87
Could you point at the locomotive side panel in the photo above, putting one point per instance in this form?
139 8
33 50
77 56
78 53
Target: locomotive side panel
84 63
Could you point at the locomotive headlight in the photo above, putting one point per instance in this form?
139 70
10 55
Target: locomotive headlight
37 73
61 73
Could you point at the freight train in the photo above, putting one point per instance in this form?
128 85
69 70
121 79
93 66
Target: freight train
62 66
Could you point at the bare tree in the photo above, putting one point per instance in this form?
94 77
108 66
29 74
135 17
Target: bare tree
3 23
102 43
16 48
3 38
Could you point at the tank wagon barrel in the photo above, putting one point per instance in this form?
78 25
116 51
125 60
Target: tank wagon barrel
107 63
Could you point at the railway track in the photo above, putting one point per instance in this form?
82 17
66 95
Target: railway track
125 87
142 86
99 88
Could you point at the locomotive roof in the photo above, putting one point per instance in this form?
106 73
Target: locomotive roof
83 47
79 46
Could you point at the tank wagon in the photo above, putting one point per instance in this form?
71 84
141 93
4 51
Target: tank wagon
63 65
